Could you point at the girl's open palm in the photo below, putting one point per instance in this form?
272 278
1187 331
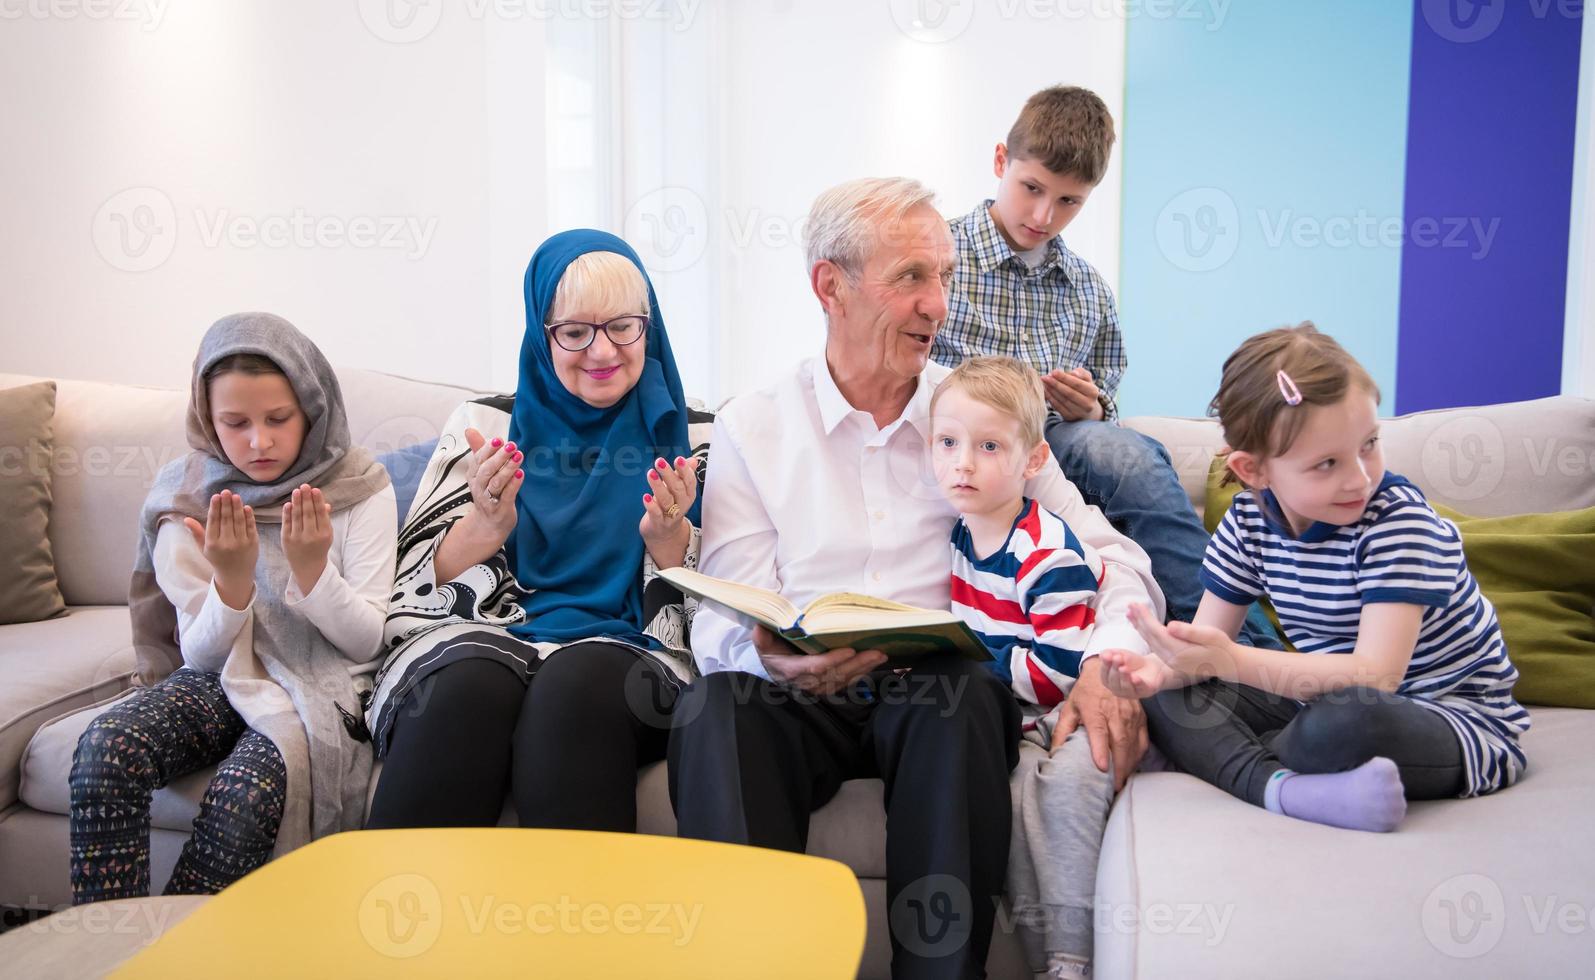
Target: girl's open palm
228 537
306 535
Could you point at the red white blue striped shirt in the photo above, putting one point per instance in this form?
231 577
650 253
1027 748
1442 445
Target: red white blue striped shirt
1031 601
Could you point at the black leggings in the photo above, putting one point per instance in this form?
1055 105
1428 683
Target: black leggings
1235 737
567 745
142 743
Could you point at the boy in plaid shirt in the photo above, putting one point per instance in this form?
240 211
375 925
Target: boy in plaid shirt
1019 291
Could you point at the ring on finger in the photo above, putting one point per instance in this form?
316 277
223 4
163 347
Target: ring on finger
674 512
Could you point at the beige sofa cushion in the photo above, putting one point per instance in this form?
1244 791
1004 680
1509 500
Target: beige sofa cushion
54 667
28 589
1466 888
1521 458
110 441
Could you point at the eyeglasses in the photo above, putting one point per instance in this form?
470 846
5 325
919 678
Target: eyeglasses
578 335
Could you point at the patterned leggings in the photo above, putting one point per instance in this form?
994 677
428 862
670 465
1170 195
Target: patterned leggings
182 724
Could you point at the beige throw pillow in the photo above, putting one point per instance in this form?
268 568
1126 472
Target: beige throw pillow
28 589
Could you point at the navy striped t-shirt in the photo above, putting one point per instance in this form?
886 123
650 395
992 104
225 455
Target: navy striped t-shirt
1399 551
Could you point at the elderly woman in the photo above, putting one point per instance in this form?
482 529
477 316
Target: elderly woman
532 645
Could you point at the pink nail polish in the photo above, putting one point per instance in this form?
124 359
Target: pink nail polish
519 475
509 447
497 443
519 457
647 498
660 464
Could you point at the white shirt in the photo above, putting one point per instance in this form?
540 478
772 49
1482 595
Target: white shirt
805 495
348 604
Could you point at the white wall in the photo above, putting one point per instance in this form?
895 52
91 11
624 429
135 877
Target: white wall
1578 350
699 129
819 92
243 116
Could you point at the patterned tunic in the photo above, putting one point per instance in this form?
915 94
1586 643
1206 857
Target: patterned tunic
432 624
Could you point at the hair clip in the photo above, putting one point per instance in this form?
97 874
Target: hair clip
1288 389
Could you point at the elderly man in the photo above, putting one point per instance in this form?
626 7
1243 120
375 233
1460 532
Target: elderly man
822 482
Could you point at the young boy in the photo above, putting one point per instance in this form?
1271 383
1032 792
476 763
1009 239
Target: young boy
1027 585
1019 291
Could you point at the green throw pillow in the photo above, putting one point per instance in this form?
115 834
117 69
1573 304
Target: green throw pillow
1538 570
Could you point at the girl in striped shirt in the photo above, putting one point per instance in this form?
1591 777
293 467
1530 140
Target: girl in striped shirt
1414 700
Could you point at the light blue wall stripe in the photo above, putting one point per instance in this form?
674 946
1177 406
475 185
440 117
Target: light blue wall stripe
1264 161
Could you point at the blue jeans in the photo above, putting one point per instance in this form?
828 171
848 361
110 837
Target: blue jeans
1129 477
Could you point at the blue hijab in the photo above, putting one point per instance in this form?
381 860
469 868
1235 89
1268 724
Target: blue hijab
576 541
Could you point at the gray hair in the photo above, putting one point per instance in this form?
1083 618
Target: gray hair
845 222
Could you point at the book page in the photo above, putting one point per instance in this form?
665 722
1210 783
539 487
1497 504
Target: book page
769 608
847 611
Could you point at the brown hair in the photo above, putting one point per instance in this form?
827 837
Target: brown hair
1068 129
256 364
1005 384
1251 403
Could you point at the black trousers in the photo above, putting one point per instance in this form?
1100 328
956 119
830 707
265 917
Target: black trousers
566 745
1236 737
750 760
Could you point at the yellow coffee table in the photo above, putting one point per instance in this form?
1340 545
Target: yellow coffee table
524 903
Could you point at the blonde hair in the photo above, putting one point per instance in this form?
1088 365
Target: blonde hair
604 281
847 222
1251 403
1005 384
1068 129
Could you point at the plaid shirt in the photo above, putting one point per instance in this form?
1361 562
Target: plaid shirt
1060 314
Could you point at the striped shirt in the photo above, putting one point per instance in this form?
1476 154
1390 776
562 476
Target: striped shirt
1031 601
1060 314
1400 551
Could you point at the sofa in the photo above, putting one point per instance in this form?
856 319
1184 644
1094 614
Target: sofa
1191 881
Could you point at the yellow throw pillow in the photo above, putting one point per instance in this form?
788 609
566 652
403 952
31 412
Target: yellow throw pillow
1538 570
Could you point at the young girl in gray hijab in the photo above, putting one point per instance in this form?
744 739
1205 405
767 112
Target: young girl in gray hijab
261 584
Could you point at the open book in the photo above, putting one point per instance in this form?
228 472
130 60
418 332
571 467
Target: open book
840 619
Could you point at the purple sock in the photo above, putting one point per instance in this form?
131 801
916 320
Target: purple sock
1369 797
